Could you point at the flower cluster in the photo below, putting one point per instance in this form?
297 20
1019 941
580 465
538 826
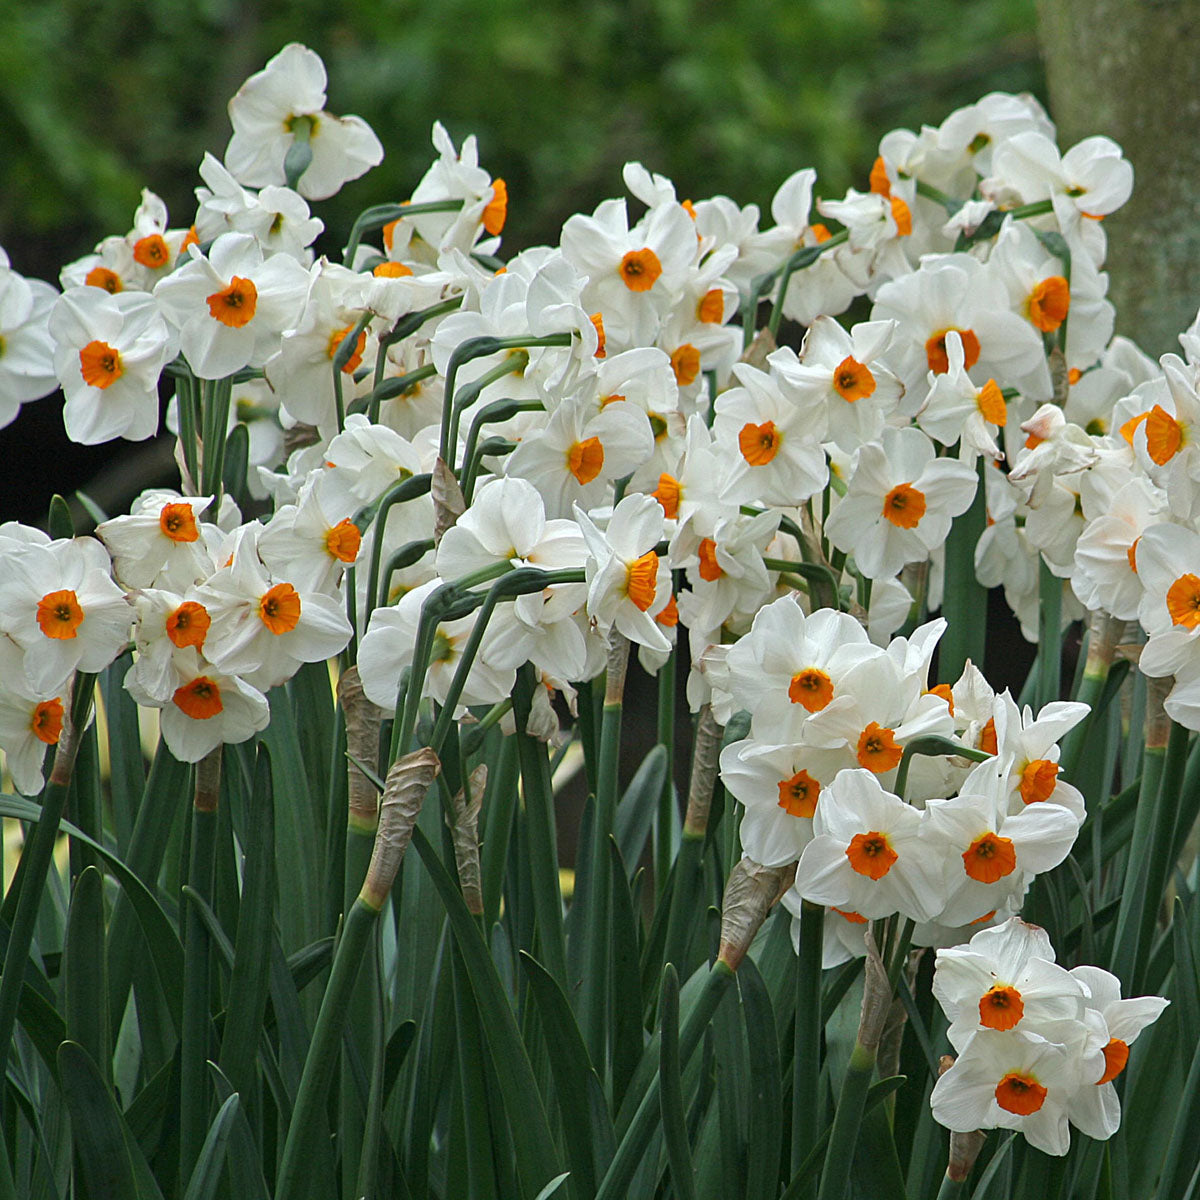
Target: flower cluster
1037 1046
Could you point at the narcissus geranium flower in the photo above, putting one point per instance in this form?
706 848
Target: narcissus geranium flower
26 348
266 113
31 720
109 353
163 542
899 503
231 307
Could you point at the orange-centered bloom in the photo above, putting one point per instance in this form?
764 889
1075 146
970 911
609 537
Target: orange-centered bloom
1038 780
643 576
356 355
188 624
1020 1094
1001 1007
178 522
685 362
343 540
1048 303
871 854
987 736
199 699
759 443
1116 1055
46 724
100 364
904 506
496 212
902 215
279 608
59 615
1183 601
935 350
585 459
798 795
811 688
391 270
877 749
234 306
852 380
1164 435
640 269
989 858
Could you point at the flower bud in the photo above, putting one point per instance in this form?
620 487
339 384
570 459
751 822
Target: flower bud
751 892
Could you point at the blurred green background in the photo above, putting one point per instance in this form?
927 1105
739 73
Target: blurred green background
99 98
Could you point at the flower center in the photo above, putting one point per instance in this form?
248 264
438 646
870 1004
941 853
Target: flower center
1048 303
710 569
989 858
100 364
343 540
640 269
667 494
759 443
1116 1055
356 355
1000 1007
1164 435
178 522
1183 601
46 723
711 308
798 795
877 749
496 212
939 360
584 459
990 403
1038 780
102 277
812 688
199 699
188 624
871 854
59 615
643 580
151 251
234 306
685 362
852 380
904 506
1020 1094
597 320
279 608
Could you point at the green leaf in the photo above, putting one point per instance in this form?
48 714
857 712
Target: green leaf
533 1142
104 1156
127 772
626 1012
245 1165
765 1094
679 1154
164 943
552 1186
237 463
635 813
587 1127
85 974
207 1174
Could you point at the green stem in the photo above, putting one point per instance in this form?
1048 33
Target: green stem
666 814
313 1091
806 1065
951 1188
839 1155
196 1033
543 836
216 398
631 1151
804 257
398 493
380 215
1050 589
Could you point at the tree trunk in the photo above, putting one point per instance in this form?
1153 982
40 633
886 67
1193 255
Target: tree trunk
1131 69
